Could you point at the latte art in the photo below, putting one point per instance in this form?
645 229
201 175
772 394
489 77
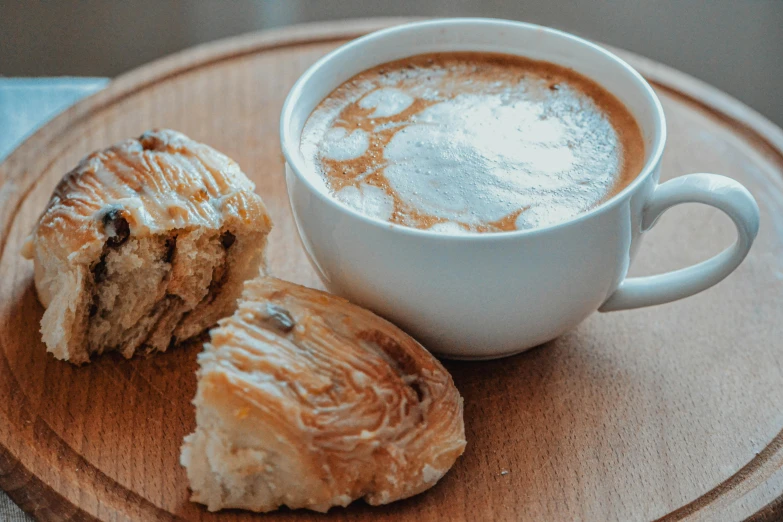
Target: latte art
471 142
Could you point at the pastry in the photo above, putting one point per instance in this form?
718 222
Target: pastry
308 401
144 244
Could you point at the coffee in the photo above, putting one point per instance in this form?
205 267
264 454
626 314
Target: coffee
472 142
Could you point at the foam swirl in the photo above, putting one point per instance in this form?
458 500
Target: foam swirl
467 142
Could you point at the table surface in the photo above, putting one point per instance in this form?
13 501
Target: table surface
25 105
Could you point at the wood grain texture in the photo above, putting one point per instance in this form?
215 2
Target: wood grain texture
674 411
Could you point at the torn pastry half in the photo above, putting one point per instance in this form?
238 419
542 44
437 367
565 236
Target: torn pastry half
144 244
308 401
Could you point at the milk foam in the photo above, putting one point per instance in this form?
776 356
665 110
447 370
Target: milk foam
386 102
478 150
340 144
368 199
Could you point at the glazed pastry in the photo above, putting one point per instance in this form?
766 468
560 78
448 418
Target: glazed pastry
309 401
144 244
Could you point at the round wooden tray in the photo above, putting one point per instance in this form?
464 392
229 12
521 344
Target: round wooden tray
674 411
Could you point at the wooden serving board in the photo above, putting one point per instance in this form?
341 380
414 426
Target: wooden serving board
674 411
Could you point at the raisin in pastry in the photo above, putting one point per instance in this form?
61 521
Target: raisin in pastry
309 401
144 244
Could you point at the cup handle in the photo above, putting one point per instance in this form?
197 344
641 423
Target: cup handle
710 189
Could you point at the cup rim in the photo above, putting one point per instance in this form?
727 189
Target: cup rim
296 163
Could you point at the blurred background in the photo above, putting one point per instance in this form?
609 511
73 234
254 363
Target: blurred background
736 45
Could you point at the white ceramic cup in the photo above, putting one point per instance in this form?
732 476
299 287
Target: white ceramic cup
484 296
